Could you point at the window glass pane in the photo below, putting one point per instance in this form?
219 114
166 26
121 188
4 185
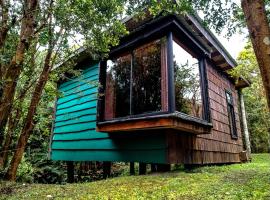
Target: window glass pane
231 115
146 74
229 98
188 98
117 96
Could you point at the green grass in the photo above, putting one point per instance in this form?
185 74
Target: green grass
238 181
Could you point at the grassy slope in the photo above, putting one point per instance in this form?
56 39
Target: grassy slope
239 181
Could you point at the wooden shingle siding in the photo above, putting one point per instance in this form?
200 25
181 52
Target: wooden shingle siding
74 134
218 146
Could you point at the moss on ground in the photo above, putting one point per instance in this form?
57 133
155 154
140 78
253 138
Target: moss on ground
238 181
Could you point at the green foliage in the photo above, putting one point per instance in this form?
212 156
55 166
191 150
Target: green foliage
25 172
238 181
258 115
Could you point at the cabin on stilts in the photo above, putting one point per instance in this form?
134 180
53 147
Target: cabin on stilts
163 96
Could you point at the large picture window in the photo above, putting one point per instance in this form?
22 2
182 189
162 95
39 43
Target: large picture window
134 81
188 98
138 84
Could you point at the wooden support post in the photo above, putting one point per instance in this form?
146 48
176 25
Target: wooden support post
70 172
131 168
153 167
142 168
163 167
189 166
106 169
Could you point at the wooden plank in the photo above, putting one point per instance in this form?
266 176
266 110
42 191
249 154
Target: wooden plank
160 123
81 119
80 88
75 114
112 144
80 94
77 108
75 127
83 135
91 71
86 81
81 100
153 156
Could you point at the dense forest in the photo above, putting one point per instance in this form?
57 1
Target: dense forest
35 36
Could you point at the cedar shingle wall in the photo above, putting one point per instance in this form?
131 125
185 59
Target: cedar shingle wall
217 147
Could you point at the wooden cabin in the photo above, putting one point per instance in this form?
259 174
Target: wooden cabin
162 97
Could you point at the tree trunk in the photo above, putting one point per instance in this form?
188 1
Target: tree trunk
8 140
244 122
4 23
259 31
14 68
13 121
29 120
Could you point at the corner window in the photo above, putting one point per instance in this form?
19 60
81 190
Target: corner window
231 114
188 98
134 81
138 85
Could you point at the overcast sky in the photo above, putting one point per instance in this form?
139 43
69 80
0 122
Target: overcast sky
234 45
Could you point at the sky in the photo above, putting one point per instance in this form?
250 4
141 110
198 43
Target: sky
234 45
237 42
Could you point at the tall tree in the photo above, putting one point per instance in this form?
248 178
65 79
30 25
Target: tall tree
46 24
259 32
258 116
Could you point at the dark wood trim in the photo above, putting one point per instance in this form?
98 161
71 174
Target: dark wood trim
203 78
164 77
155 29
242 83
234 134
204 90
101 91
185 124
171 87
131 84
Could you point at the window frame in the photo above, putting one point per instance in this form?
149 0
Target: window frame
231 113
206 116
133 41
164 106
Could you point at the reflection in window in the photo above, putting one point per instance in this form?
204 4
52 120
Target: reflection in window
187 82
146 84
117 101
133 82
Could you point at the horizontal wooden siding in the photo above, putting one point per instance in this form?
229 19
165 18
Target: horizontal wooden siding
75 137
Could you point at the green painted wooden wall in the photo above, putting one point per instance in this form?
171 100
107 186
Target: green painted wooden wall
74 133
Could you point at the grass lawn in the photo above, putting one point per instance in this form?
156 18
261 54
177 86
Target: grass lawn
238 181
